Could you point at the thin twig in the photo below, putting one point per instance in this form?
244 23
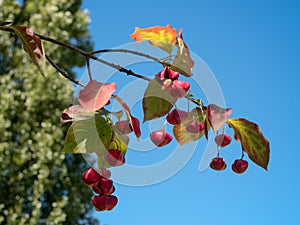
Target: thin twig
130 52
89 68
62 72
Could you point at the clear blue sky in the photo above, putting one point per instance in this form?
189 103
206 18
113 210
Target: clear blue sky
253 49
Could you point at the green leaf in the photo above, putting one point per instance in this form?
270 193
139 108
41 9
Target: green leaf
182 135
86 136
183 62
156 102
32 44
252 140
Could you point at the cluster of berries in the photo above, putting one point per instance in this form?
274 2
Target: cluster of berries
175 117
101 184
218 163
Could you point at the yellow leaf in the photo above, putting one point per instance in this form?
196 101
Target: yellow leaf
162 37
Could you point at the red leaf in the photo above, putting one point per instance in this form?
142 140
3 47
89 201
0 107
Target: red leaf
217 116
95 95
253 142
32 44
135 123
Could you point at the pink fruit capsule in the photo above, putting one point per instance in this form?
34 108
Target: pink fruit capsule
222 140
179 88
176 116
195 127
114 157
160 138
239 166
124 126
90 177
218 164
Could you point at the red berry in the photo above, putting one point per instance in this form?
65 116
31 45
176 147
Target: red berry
222 140
90 177
124 126
218 164
102 202
195 127
176 116
167 73
160 138
111 202
239 166
179 88
104 187
114 157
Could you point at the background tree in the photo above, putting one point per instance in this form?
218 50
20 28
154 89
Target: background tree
39 185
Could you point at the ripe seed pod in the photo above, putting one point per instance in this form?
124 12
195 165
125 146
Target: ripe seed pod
176 116
102 202
167 73
114 157
179 88
218 164
90 177
124 126
239 166
104 187
160 138
195 127
223 140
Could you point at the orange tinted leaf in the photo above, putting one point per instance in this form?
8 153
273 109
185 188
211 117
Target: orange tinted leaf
162 37
253 142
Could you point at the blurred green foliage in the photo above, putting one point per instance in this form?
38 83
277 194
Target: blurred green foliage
39 184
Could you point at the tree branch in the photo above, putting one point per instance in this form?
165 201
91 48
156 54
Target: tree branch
62 72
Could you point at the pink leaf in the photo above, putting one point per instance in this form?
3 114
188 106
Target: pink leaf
95 95
217 116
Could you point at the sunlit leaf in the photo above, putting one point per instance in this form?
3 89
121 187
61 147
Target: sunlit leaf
95 95
183 62
162 37
32 44
75 113
86 136
156 102
217 116
180 132
252 140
